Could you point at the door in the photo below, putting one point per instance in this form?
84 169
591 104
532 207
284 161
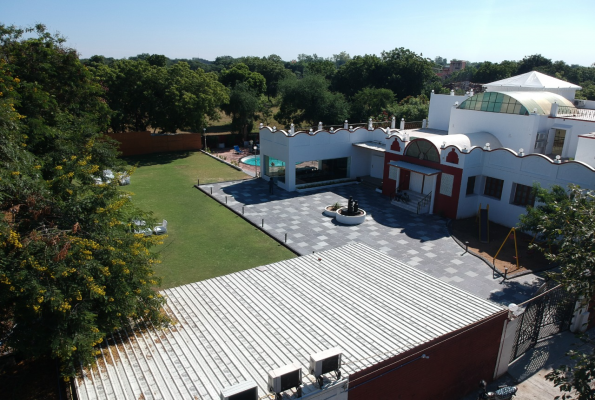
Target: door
377 166
559 137
404 179
416 182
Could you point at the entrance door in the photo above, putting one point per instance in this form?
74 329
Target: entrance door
404 179
416 182
377 166
559 137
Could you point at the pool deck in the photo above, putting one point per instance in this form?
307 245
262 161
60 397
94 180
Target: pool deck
422 241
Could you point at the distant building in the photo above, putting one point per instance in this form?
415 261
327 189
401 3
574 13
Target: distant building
478 148
454 66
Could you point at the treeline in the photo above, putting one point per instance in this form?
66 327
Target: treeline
485 72
180 94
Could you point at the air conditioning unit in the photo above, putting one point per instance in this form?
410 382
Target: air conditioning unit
541 137
242 391
284 378
324 362
579 103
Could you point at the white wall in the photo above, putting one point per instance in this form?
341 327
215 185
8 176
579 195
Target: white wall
573 128
320 145
502 164
586 150
440 107
513 131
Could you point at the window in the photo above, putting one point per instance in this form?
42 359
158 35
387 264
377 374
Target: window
559 138
422 150
493 187
523 195
470 185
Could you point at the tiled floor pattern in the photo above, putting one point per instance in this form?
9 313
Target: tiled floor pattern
421 241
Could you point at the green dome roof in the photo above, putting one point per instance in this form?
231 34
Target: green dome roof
521 103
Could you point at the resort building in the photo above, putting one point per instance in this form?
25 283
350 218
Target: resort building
474 150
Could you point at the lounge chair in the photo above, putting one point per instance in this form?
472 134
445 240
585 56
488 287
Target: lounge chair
161 229
237 149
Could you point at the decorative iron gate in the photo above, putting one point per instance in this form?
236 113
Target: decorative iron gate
546 314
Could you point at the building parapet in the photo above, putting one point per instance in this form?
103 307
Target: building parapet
575 113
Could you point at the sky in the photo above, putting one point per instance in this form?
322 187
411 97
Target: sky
479 30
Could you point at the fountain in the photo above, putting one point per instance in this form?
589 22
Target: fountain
352 214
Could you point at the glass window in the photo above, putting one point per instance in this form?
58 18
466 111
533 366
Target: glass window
493 187
470 185
274 168
321 170
523 195
423 150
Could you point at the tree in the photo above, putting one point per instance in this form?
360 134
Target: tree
405 72
243 105
410 108
185 98
72 270
530 63
369 103
130 93
341 58
271 68
310 100
564 221
358 73
240 73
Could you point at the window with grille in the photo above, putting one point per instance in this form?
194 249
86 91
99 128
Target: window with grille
493 187
523 195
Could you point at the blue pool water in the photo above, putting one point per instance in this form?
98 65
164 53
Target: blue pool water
255 160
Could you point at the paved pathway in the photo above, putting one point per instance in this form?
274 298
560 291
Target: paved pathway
421 241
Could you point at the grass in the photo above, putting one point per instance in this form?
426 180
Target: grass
205 239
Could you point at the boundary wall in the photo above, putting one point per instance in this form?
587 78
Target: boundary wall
138 143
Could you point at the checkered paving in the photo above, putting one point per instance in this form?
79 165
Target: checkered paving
421 241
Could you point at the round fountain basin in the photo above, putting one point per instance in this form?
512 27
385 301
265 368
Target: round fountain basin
350 219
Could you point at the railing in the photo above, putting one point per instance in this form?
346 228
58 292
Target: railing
573 112
413 125
424 202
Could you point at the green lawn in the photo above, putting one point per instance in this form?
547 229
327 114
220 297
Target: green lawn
205 239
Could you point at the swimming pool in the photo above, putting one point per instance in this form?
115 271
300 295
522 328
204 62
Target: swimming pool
255 160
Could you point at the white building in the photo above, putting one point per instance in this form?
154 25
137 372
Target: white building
486 148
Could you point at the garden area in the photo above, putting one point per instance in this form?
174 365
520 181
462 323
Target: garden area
204 239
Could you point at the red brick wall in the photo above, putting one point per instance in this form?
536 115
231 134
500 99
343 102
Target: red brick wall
137 143
453 370
446 205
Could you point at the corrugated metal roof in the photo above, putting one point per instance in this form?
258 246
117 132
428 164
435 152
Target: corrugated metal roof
240 326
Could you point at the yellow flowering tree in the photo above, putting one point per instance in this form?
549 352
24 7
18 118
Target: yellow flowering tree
72 269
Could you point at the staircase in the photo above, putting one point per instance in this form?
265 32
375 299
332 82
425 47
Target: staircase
414 199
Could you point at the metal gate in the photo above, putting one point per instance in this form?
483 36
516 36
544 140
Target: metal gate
546 314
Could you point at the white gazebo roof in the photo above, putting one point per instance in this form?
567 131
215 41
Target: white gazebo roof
533 80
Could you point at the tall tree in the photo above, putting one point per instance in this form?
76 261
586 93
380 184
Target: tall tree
565 221
72 270
310 100
369 103
185 98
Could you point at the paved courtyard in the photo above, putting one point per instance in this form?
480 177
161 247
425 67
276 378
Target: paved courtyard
421 241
